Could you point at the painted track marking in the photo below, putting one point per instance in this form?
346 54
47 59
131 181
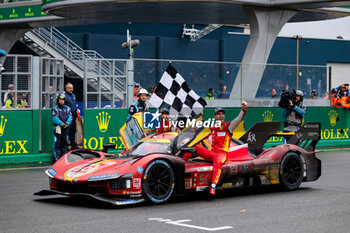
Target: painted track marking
182 223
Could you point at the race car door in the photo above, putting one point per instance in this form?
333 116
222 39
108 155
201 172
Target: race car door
131 132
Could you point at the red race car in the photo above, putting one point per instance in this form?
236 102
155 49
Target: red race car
152 167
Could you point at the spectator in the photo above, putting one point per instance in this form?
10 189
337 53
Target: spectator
9 101
313 95
345 102
326 96
52 96
71 102
224 94
334 98
20 102
210 95
62 118
9 92
341 91
136 90
286 88
273 93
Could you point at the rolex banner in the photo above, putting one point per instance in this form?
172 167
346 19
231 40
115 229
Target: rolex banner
19 130
102 126
16 133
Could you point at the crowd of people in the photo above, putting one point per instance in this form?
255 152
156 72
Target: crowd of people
14 99
340 96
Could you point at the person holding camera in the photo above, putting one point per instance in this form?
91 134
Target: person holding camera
293 111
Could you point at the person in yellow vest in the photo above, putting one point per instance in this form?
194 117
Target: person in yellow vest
210 95
20 102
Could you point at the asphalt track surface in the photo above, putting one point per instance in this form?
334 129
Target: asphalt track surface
320 206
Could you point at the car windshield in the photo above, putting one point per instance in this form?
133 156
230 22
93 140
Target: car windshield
144 148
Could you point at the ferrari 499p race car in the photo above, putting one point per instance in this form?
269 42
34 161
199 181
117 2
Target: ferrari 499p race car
152 167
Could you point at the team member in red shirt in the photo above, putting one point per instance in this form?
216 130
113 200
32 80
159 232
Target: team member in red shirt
221 138
165 125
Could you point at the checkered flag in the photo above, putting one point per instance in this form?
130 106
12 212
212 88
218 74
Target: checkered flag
174 93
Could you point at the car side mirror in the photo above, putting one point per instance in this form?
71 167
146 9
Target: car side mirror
108 146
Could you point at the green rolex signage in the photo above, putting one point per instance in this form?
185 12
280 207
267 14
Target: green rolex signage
21 12
16 132
102 126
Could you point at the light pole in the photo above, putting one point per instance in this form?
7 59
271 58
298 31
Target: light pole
297 38
130 44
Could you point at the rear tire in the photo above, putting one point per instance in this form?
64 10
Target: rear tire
291 171
158 182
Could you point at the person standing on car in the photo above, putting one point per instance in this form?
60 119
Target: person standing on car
221 139
140 104
62 118
72 103
294 113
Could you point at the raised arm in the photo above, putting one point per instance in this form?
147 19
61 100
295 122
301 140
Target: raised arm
235 122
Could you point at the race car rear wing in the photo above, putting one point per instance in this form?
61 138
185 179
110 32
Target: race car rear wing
307 137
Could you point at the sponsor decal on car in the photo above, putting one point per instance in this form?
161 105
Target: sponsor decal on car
204 169
132 192
251 137
139 170
225 185
136 182
109 163
245 168
80 170
233 169
188 183
51 172
104 177
125 202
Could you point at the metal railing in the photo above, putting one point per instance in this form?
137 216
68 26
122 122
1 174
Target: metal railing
77 55
16 83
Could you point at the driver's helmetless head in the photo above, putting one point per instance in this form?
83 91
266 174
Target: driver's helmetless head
219 114
164 114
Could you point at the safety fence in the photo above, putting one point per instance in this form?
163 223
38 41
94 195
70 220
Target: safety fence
52 81
16 82
30 82
246 81
105 83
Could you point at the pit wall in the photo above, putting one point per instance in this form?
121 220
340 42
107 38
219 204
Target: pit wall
20 130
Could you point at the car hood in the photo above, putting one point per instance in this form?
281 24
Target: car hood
90 169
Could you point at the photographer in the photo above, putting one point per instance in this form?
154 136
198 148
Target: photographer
293 110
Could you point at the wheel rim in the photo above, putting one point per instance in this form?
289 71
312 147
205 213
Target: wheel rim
159 181
292 171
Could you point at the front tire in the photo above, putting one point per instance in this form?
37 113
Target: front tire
291 171
158 182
